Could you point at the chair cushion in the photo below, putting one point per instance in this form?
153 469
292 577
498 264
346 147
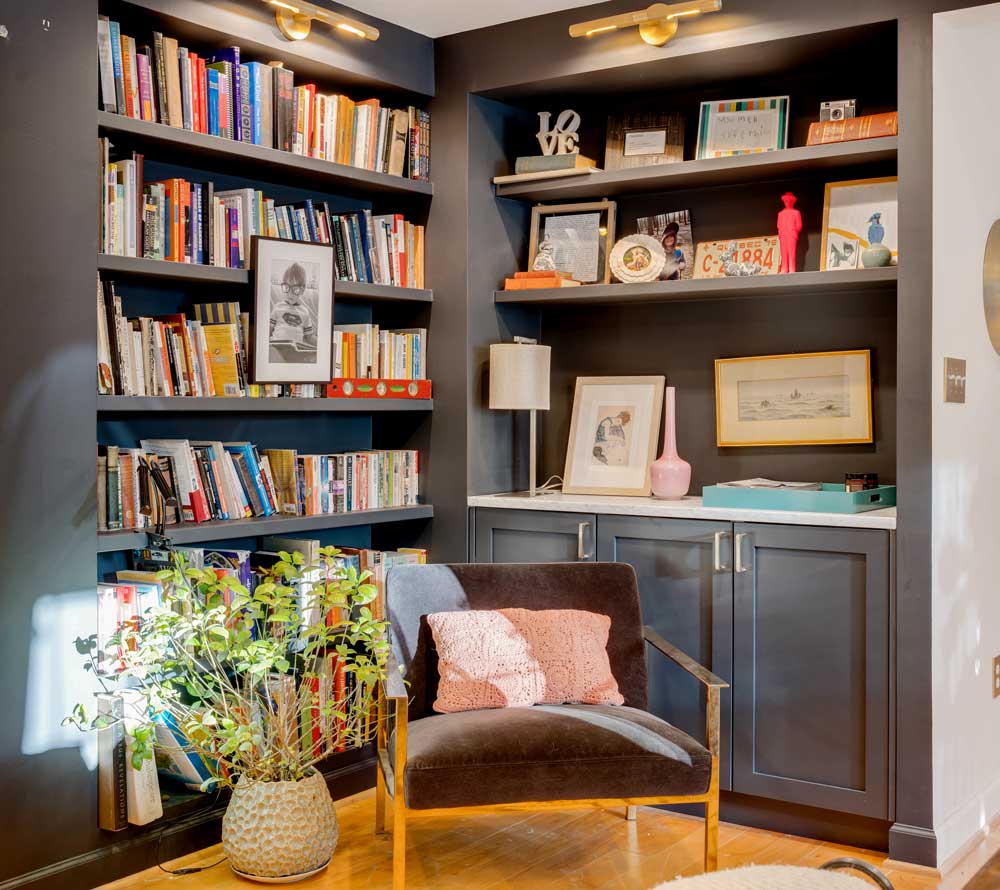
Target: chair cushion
548 752
502 658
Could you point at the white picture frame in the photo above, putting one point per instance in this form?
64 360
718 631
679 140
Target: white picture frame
732 127
613 435
293 311
847 210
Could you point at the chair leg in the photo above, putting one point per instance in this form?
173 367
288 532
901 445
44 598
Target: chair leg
379 801
630 813
712 834
398 844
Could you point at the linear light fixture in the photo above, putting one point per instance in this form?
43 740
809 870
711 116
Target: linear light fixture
295 20
657 23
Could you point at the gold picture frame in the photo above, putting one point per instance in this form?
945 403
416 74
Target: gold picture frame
613 435
813 398
846 220
605 234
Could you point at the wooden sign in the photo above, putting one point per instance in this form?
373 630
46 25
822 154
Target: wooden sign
737 257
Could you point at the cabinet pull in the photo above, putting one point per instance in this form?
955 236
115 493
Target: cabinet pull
738 553
581 553
717 563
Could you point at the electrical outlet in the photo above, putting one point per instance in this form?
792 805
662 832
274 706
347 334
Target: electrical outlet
996 677
954 380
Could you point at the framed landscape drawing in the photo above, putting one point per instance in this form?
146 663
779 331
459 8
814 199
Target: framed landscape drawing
817 398
854 212
742 127
293 303
613 434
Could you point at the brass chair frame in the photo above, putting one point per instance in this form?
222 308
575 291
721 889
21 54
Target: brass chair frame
394 691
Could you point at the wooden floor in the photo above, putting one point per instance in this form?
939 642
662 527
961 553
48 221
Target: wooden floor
542 851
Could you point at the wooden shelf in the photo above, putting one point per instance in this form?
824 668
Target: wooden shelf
712 172
192 405
259 162
847 281
163 270
196 532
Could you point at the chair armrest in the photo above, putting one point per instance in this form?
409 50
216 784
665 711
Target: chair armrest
395 688
702 674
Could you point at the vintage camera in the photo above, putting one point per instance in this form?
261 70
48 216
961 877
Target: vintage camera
837 111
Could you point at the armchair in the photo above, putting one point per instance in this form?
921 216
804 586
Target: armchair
546 756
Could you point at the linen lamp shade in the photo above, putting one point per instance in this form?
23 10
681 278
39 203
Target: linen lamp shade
519 376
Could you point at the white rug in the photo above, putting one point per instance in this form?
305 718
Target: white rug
769 877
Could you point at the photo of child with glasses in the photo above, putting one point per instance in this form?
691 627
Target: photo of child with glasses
294 303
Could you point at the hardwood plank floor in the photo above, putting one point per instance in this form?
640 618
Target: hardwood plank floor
564 850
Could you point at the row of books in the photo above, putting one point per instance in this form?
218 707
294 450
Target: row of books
363 350
167 481
128 796
191 222
223 95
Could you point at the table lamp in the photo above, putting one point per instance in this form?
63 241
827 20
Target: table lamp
519 381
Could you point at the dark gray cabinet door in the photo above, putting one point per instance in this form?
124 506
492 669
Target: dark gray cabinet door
811 657
534 536
686 587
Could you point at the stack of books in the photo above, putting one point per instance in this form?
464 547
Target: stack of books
539 280
222 94
235 480
193 222
364 351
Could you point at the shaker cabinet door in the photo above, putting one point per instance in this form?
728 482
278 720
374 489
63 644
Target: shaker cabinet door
533 536
686 587
811 654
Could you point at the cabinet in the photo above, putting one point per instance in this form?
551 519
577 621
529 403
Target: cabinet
533 536
686 590
811 662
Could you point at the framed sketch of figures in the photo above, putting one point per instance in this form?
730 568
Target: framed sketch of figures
293 311
814 398
612 436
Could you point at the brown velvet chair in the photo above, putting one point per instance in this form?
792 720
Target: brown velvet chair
543 757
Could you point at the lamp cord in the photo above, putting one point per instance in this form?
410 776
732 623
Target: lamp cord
549 485
190 869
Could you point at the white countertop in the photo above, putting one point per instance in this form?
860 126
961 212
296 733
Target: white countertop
687 508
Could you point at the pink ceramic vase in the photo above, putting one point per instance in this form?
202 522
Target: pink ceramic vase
670 476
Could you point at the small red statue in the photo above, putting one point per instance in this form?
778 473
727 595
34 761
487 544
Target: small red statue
789 226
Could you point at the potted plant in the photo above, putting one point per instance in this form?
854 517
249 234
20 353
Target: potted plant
244 680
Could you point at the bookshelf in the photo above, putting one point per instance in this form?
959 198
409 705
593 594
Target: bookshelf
185 404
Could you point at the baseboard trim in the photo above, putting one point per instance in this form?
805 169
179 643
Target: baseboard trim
188 834
962 865
913 844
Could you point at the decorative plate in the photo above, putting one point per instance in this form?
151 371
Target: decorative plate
637 258
283 879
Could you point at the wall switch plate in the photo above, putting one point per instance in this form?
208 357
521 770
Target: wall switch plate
996 677
954 380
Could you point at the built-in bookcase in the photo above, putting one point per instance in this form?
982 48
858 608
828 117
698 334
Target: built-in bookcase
149 287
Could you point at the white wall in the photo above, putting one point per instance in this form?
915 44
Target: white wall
966 438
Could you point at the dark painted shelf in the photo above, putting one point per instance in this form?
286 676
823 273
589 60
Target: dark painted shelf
196 532
140 267
708 173
263 163
179 404
847 281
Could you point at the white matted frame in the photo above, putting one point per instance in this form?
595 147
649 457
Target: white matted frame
815 398
293 311
847 209
613 435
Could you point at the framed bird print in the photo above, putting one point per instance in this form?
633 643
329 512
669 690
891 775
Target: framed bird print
860 224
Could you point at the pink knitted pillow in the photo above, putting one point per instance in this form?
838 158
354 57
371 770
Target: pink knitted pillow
517 657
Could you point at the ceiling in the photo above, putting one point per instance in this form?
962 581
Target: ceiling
436 18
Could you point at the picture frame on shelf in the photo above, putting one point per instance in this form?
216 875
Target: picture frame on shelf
613 435
574 238
673 230
293 311
742 126
817 398
643 139
849 208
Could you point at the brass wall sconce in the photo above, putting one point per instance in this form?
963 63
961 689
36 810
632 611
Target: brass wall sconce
295 20
657 23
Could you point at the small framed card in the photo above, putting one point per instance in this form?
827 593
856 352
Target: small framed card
644 138
742 126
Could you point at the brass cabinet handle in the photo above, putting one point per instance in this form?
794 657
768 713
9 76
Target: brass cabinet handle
738 553
580 551
717 563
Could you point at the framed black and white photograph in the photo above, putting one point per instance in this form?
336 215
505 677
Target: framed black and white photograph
293 303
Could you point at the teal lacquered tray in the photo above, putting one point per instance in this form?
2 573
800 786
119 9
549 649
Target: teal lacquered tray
832 499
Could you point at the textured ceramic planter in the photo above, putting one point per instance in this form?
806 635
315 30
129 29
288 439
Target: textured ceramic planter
280 829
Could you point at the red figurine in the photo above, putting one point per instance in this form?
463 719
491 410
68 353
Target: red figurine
789 226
